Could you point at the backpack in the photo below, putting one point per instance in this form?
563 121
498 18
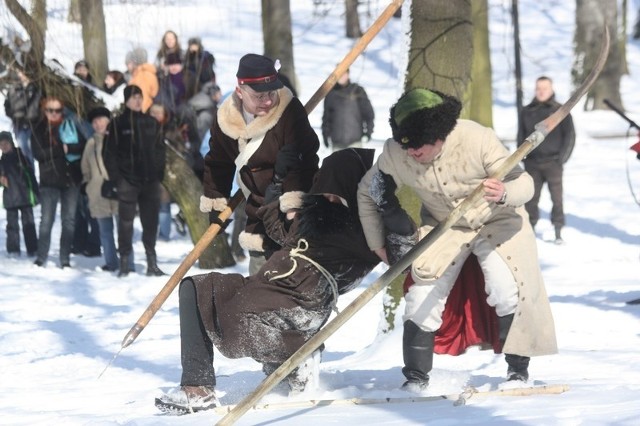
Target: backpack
69 135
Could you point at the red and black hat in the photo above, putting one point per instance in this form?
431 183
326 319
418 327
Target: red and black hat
258 72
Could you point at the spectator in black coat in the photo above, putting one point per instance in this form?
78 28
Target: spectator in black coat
19 196
58 158
348 115
134 156
200 62
545 163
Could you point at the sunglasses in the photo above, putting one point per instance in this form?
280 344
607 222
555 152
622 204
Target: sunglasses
54 110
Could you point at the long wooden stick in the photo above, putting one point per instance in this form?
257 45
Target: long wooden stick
542 130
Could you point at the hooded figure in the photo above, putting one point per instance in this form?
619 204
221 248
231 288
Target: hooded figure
270 315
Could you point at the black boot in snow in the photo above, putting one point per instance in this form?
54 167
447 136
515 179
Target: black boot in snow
152 266
417 352
518 365
124 266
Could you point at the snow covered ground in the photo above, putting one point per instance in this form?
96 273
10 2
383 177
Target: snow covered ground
60 328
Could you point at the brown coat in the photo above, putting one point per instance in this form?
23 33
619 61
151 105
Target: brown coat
287 123
469 155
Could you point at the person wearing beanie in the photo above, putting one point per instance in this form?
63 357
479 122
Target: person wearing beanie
262 133
19 195
134 157
143 74
200 63
444 159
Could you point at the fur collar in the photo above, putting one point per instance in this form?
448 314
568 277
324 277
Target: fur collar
233 125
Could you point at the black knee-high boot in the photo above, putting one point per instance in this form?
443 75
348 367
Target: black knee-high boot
417 351
518 365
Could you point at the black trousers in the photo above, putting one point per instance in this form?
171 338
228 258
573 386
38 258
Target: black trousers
146 198
549 172
195 346
28 230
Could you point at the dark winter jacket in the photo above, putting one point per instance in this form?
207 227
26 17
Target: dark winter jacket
558 144
22 105
286 123
348 115
200 64
134 149
269 315
22 187
56 170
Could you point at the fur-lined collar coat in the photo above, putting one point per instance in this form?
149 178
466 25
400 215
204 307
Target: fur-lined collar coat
287 123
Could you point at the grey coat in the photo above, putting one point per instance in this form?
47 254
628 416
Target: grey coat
469 155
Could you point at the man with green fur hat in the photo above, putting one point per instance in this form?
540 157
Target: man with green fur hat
443 159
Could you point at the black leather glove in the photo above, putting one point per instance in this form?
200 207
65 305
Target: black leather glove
273 192
288 158
214 217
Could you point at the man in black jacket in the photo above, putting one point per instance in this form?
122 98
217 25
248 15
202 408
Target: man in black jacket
134 156
545 164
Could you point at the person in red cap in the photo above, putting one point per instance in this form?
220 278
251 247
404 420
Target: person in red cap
262 135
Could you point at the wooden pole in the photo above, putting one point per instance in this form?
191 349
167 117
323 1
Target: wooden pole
542 130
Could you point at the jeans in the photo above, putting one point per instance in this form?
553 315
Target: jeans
23 137
110 253
28 230
49 197
164 221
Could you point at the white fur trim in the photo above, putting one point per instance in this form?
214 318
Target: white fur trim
253 242
291 200
210 204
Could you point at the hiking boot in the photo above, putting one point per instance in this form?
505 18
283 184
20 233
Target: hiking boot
187 400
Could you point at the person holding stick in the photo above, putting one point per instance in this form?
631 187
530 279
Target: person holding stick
262 133
268 316
443 159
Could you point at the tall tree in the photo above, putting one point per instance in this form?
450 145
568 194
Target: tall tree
352 19
74 11
276 32
591 18
94 38
39 13
440 57
480 90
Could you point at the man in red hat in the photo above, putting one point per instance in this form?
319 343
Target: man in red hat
262 137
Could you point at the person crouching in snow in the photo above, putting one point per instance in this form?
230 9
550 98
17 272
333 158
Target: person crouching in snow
444 159
269 315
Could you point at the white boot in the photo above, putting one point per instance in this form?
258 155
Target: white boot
307 375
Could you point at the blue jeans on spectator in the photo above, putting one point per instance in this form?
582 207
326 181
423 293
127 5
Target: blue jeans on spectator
109 244
23 136
49 197
164 221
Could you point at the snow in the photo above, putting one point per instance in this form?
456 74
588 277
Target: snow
60 328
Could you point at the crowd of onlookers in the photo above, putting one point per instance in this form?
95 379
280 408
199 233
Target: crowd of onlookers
55 156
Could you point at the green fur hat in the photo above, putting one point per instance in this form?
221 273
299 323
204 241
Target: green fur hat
422 117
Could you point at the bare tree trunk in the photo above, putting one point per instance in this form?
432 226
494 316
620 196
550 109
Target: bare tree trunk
185 188
276 31
39 14
591 16
94 38
480 93
352 19
438 28
74 11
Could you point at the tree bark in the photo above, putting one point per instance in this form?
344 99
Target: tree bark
591 16
185 189
74 11
94 38
39 14
278 40
352 20
480 93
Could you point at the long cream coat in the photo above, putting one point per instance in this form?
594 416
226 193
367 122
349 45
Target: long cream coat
93 174
469 155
